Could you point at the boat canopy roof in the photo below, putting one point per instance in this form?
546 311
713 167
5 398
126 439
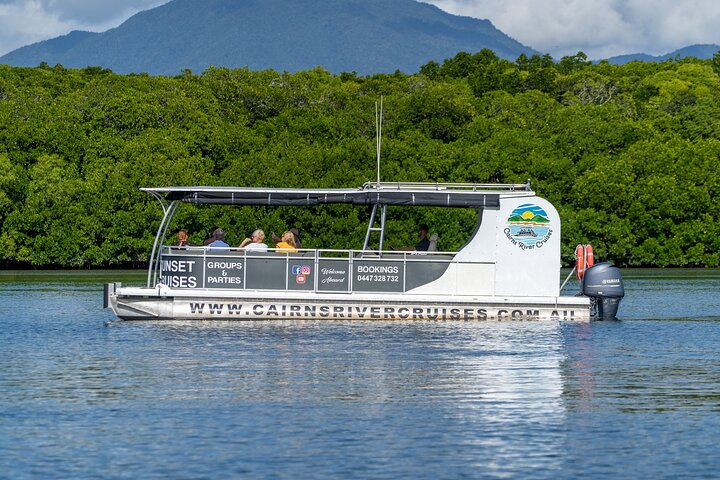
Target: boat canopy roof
398 193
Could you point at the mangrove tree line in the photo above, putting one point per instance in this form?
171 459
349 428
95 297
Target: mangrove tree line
629 154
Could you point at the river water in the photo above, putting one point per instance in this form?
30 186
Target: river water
85 396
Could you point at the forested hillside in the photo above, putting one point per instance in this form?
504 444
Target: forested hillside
630 154
365 36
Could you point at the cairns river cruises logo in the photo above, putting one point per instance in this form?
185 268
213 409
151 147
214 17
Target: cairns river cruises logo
528 227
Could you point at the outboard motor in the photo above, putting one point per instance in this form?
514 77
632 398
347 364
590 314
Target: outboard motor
604 285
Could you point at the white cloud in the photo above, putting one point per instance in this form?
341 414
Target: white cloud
600 28
96 12
26 22
23 22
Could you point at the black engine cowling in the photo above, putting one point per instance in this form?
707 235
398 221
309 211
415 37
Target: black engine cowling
604 285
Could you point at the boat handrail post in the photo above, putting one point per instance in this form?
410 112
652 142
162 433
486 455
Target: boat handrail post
372 228
287 271
204 270
366 244
316 269
404 272
168 212
350 270
383 215
244 254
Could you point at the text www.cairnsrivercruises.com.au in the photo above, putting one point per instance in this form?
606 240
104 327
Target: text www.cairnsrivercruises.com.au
259 310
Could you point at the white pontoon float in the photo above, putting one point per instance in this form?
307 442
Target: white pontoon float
508 270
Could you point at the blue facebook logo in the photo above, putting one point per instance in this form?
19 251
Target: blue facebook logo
296 269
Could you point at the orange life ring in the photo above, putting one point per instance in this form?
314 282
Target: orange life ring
589 257
580 260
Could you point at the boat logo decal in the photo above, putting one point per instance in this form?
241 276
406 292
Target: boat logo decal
301 273
528 227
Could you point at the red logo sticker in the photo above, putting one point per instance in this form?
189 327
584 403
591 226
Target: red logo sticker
300 279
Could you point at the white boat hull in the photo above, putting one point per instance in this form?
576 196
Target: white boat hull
165 303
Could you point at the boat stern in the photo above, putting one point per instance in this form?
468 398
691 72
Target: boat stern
109 290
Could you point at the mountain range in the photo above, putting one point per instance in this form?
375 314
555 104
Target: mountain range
704 51
364 36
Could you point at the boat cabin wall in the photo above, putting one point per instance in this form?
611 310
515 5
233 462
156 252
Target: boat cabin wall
522 239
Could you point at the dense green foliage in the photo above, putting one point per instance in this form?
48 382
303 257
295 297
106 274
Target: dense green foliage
629 154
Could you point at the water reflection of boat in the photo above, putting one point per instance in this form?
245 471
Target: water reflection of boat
480 281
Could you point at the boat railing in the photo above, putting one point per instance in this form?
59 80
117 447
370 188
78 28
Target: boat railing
318 270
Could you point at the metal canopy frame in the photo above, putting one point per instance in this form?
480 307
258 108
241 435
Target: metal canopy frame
396 193
168 212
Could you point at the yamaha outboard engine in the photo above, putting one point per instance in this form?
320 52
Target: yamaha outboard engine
604 285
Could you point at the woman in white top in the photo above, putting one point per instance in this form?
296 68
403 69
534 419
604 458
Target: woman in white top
255 242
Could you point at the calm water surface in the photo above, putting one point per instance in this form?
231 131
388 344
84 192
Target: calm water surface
85 396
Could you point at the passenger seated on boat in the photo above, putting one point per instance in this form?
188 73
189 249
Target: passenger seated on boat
286 243
254 243
182 239
211 238
219 240
433 243
424 242
296 235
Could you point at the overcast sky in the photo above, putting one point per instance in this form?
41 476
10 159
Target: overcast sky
600 28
